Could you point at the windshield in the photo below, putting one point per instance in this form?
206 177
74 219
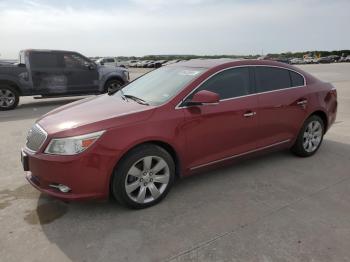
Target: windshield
162 84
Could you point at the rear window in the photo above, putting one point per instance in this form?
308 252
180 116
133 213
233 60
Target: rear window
297 79
271 78
44 60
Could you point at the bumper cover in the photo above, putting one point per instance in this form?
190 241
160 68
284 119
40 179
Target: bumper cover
86 175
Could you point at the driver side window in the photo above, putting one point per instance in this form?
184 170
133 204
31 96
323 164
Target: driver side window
229 83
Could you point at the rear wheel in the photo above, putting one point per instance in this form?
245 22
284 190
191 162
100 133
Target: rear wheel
310 137
9 98
144 177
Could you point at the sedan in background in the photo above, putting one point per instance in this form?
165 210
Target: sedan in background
325 60
175 121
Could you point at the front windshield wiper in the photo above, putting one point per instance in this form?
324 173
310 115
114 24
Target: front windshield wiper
137 99
112 92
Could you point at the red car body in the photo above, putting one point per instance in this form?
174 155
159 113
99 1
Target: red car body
197 137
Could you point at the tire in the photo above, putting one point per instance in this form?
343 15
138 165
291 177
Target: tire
310 137
133 183
9 98
113 84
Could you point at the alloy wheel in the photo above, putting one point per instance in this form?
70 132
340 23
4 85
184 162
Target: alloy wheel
114 86
312 136
7 98
147 179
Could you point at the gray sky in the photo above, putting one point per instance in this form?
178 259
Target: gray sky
142 27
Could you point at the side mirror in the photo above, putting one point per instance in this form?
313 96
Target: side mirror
204 97
90 66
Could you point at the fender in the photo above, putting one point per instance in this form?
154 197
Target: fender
109 76
155 140
9 78
24 87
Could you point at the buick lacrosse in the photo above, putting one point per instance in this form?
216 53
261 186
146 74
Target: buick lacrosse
173 122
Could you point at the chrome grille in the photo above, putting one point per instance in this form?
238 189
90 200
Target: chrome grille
36 138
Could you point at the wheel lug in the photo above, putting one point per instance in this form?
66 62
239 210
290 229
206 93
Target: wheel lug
145 184
144 173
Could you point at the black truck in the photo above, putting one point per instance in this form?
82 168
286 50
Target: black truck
54 73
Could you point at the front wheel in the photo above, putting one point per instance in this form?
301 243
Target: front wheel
144 177
9 98
310 137
113 85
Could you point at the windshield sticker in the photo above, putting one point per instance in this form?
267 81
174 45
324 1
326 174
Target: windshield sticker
189 73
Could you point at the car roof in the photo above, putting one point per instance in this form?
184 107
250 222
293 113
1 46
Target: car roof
225 62
49 51
204 63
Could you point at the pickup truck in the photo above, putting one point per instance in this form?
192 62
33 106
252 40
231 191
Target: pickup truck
53 73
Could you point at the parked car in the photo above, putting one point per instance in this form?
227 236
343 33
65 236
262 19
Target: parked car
132 63
334 58
282 60
171 62
325 60
142 63
111 61
52 73
148 64
155 64
172 122
297 61
310 60
345 59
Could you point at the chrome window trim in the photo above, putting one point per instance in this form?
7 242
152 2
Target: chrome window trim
45 133
178 106
241 154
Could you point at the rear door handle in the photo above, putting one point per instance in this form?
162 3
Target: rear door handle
302 102
249 114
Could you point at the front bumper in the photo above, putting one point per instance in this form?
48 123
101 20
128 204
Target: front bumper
87 175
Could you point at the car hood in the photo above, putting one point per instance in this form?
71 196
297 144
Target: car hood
107 111
109 69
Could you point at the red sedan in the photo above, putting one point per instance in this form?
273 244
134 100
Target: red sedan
172 122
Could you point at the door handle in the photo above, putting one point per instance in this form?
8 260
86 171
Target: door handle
302 102
249 114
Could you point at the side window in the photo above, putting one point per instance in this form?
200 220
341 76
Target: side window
297 79
271 78
44 60
74 61
229 83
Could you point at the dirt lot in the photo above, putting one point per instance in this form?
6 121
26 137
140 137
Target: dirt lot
275 207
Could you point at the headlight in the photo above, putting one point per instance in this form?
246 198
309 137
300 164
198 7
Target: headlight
126 74
72 145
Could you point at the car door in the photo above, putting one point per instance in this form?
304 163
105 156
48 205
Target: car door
227 129
82 75
46 70
282 103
